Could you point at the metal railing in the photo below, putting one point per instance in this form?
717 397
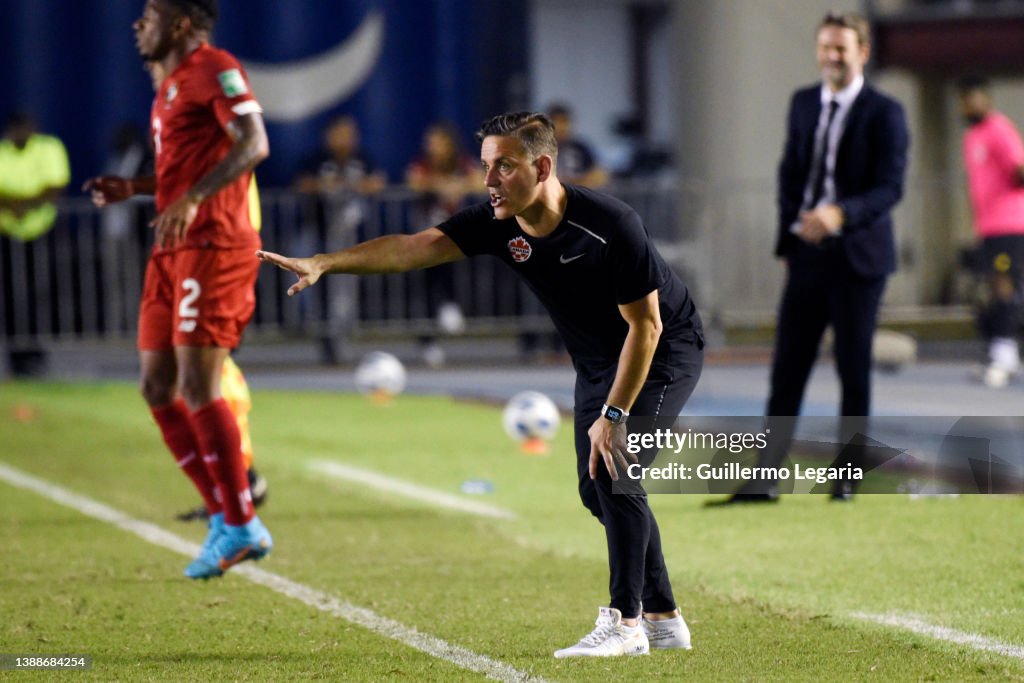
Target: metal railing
83 279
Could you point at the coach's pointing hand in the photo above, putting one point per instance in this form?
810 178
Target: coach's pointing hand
308 270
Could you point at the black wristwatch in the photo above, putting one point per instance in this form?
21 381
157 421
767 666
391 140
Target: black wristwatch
614 415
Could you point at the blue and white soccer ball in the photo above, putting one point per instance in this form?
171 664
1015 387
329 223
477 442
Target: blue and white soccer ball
380 374
531 415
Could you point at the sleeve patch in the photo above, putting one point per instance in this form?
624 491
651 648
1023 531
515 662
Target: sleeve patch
232 83
247 107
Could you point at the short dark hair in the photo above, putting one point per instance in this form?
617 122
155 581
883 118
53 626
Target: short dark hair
559 109
19 119
850 20
969 84
203 13
533 130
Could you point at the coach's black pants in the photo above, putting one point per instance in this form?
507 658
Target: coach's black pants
635 560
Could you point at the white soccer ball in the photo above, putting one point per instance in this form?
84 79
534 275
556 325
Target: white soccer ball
380 373
531 415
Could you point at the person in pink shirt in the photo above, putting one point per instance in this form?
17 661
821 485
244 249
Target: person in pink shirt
994 158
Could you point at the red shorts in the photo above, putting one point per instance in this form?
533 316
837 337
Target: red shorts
197 297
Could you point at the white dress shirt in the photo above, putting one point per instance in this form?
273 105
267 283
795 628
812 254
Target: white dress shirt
844 98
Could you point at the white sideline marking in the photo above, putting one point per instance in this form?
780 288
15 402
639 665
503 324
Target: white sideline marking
424 494
360 616
921 627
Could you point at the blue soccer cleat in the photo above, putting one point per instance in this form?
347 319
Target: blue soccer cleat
240 543
236 544
200 567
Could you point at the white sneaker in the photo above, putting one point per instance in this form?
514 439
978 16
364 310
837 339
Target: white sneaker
667 634
433 355
609 638
996 377
993 375
1004 363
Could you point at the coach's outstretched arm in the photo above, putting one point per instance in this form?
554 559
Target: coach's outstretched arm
388 254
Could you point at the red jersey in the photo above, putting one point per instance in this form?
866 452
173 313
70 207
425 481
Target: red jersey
192 109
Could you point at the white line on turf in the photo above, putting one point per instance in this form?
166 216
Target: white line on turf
922 627
360 616
423 494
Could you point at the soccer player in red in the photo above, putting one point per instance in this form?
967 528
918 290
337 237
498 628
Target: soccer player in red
198 296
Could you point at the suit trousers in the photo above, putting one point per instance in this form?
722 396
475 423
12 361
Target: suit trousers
635 561
821 290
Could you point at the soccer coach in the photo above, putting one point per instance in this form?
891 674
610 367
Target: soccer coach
627 320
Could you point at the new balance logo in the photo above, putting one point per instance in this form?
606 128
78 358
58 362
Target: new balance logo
563 259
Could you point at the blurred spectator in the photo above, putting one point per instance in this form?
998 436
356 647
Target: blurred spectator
341 164
336 181
33 171
131 153
577 164
445 176
131 156
336 177
443 172
994 158
645 159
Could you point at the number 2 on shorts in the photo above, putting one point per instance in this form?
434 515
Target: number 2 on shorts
186 311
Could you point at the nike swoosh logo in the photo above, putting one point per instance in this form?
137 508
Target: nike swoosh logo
562 259
295 90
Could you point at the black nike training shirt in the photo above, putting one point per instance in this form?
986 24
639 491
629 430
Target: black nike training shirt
598 257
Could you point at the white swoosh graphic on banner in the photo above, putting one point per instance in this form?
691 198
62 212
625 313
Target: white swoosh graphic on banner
294 90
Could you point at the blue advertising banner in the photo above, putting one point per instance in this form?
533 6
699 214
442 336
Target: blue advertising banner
396 65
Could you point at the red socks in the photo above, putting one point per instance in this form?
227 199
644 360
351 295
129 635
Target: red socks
221 443
176 427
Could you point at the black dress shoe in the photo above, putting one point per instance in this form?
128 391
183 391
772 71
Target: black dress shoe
745 498
842 492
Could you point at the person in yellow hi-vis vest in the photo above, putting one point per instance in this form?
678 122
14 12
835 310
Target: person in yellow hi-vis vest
34 170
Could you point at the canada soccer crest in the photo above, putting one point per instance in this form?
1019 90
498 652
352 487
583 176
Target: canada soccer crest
520 249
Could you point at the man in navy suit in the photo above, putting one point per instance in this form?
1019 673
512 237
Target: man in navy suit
840 176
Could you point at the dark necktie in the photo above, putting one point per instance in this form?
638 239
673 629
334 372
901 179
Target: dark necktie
821 162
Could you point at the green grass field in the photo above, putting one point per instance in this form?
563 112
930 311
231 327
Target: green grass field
769 593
